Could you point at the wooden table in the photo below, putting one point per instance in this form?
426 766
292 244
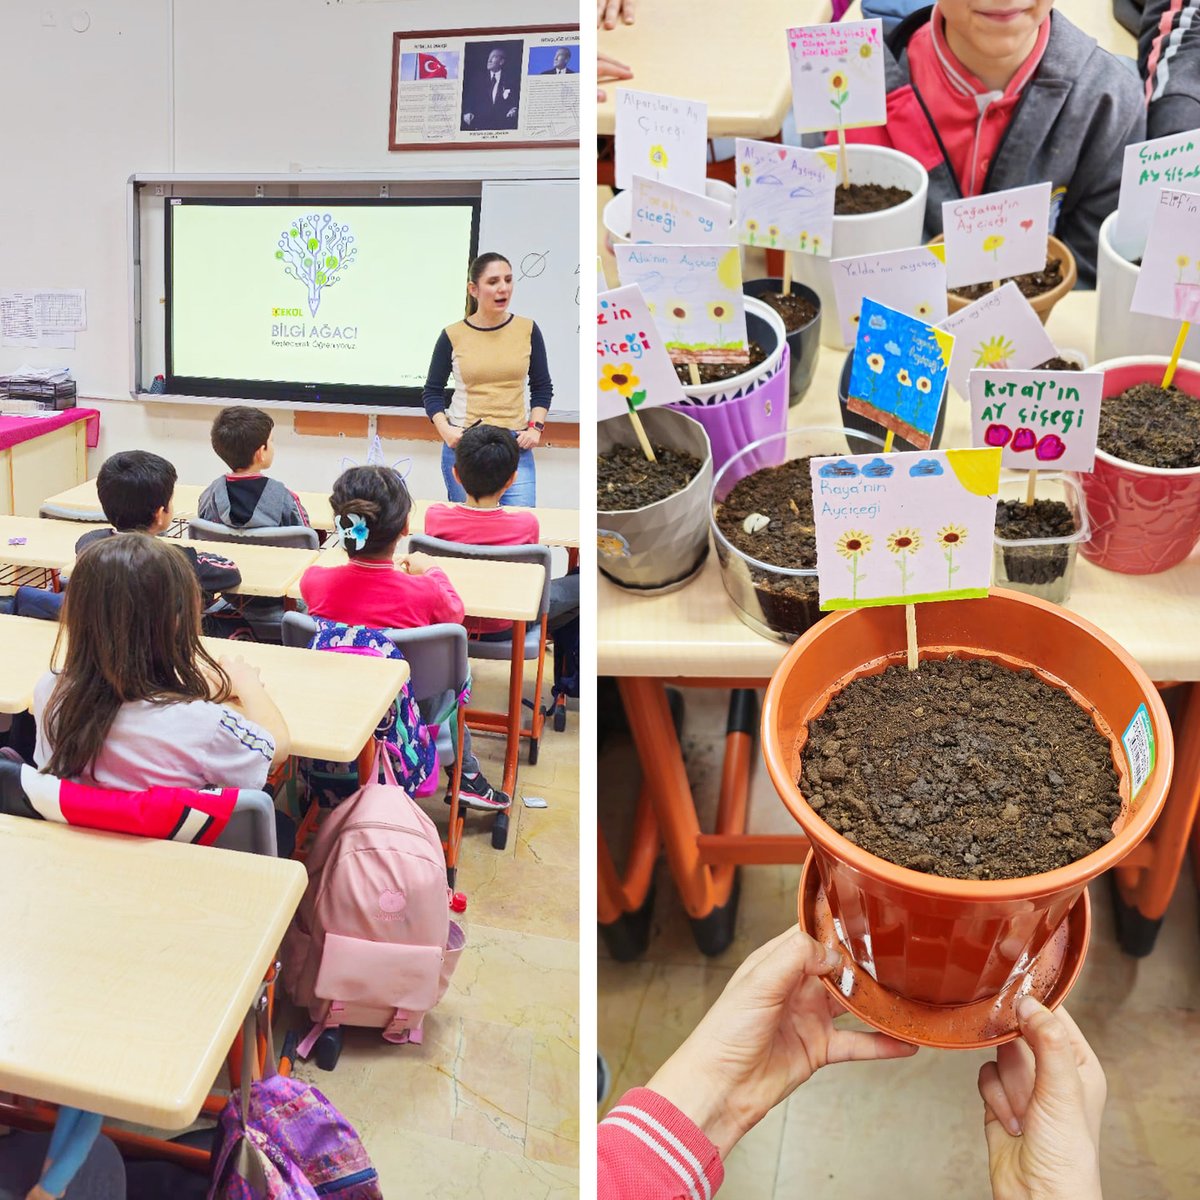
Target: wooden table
123 995
693 637
330 702
266 570
51 453
46 545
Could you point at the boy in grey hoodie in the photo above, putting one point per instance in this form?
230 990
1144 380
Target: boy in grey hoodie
246 498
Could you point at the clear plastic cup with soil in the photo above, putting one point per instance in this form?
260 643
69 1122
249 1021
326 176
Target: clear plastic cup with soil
762 523
1036 545
1043 289
652 517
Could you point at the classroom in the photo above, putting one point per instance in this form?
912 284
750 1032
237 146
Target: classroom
345 232
878 521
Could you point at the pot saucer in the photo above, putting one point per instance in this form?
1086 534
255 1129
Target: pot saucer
987 1022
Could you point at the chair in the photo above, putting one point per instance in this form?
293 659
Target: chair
437 663
531 646
55 512
294 537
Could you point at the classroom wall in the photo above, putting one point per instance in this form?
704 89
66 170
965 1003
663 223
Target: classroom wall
93 95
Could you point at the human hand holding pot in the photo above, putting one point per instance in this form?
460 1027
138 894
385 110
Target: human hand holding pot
769 1031
1043 1098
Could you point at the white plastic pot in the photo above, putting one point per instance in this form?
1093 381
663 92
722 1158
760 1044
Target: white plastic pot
618 212
1121 333
737 386
892 229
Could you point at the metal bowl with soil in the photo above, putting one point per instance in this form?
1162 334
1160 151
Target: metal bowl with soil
1036 545
762 524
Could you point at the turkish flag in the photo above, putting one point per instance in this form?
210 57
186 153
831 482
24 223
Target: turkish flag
429 66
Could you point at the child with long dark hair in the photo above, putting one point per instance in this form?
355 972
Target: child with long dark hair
137 701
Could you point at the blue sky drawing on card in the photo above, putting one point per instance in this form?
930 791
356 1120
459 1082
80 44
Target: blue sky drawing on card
785 196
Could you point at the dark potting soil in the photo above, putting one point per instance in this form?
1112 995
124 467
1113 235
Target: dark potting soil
1033 284
715 372
1058 364
784 495
626 479
1018 521
796 311
964 769
1152 426
854 199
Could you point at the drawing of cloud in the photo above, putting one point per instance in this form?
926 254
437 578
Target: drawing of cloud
891 347
799 193
769 179
875 321
926 467
838 470
878 469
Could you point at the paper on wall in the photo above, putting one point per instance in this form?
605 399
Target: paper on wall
911 281
42 319
666 214
661 137
996 235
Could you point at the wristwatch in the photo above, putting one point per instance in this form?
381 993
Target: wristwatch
538 425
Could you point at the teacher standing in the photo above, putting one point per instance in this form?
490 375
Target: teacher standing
491 354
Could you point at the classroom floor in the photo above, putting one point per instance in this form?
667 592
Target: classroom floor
488 1106
923 1114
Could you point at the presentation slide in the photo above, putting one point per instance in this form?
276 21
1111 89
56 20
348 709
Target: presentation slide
313 292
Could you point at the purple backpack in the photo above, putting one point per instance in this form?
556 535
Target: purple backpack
293 1145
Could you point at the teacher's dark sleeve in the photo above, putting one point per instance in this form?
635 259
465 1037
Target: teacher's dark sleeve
541 386
440 365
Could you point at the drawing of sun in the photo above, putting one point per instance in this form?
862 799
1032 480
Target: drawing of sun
995 352
864 51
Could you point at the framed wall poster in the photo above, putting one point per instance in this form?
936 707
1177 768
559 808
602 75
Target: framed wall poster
453 89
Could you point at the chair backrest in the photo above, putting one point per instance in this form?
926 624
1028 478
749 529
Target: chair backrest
251 826
539 555
436 654
55 513
294 537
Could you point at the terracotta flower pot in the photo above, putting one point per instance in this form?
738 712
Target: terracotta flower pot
1144 519
923 937
1047 300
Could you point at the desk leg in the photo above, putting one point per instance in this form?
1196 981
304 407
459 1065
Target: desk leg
516 685
1141 895
624 905
709 894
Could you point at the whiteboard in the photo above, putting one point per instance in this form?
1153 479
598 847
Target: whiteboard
535 225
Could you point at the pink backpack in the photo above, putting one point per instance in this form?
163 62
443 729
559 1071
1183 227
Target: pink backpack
372 942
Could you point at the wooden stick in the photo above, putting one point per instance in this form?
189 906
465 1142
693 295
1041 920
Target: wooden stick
1184 327
910 629
1031 487
640 430
995 285
842 156
787 272
694 374
887 441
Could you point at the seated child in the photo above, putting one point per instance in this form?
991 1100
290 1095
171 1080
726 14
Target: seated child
989 95
137 701
371 507
135 489
246 498
485 464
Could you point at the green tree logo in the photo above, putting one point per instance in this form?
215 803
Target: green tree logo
315 250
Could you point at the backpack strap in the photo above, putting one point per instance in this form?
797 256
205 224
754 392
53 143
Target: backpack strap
450 713
404 1028
330 1019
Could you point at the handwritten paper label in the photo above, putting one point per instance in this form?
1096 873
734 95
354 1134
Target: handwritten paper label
1172 161
837 75
899 372
996 235
695 296
632 367
661 137
666 214
998 331
1168 285
1037 419
904 528
785 197
911 281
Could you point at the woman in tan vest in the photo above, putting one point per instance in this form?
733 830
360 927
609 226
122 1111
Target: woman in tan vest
491 354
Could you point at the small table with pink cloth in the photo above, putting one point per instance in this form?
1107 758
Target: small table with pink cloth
43 453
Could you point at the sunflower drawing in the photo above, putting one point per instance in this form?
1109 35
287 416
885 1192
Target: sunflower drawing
752 229
994 352
1181 262
803 239
923 310
816 244
658 157
904 543
621 379
773 233
992 244
923 385
852 545
950 538
747 172
903 377
875 361
839 85
720 312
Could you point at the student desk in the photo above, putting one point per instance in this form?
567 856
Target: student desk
47 545
330 702
266 570
693 637
129 965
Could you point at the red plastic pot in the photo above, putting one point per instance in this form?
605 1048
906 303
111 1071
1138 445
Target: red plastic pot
953 941
1144 519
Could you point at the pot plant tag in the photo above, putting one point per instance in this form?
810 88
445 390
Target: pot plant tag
904 528
661 137
633 369
1148 167
899 373
666 214
838 79
695 296
999 331
996 235
1168 284
912 281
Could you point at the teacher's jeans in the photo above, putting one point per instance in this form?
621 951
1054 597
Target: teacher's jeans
522 494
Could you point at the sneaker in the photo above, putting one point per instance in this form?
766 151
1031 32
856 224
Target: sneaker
476 792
